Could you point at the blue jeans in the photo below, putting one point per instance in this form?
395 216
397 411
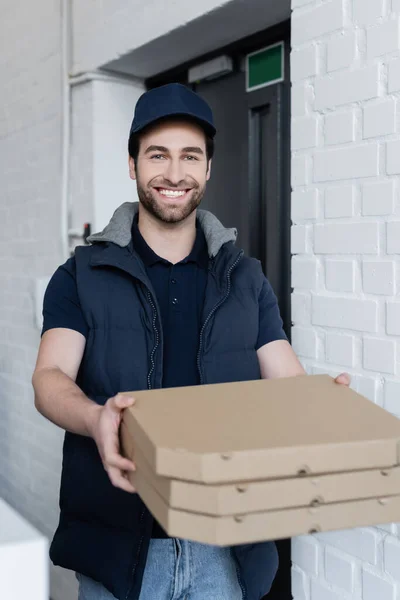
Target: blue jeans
179 570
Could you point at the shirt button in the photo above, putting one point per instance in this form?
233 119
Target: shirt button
173 281
174 300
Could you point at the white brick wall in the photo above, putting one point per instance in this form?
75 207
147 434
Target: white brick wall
341 51
346 313
339 127
378 198
339 201
30 149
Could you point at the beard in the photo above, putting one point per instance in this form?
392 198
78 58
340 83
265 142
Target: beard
170 212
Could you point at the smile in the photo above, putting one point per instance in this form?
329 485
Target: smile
172 193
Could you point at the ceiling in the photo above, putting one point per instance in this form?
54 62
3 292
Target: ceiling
225 25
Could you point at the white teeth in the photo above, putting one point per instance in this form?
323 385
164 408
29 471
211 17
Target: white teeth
172 193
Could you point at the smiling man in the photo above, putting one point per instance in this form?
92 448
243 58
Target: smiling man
161 298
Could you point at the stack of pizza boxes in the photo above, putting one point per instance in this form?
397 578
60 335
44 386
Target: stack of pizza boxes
236 463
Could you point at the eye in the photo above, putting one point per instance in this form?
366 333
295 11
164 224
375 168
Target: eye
190 157
157 156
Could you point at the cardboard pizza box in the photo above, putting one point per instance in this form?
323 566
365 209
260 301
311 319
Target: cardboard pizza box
267 525
260 430
273 494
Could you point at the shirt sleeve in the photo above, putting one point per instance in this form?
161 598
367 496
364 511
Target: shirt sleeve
270 321
61 306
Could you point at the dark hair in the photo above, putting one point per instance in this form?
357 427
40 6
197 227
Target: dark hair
134 139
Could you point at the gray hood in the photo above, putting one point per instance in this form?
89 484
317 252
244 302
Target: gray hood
119 228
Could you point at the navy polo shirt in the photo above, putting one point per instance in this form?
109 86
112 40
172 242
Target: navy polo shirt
179 290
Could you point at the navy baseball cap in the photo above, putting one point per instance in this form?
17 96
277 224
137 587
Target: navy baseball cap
171 100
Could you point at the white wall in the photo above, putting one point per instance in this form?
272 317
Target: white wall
30 247
102 112
24 571
113 106
346 241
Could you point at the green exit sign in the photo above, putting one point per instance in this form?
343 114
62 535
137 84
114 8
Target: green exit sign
265 67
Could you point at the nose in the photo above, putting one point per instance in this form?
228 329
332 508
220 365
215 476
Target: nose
175 171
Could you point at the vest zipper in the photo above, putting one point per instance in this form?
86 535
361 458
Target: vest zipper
216 307
153 364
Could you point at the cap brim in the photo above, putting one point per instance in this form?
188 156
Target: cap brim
208 127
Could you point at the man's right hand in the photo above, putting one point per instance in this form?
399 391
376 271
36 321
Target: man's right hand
104 429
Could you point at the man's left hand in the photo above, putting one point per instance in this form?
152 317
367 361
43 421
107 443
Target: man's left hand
343 379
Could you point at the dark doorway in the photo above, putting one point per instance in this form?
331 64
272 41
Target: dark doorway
250 183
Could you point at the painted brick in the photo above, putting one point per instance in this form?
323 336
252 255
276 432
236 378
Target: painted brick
339 201
339 128
367 386
383 39
300 585
391 553
346 163
305 554
340 275
304 341
374 587
317 22
346 87
299 100
304 205
378 277
393 157
301 308
394 76
379 355
299 239
304 273
340 349
378 198
392 397
346 238
321 591
341 51
380 118
359 543
299 170
304 132
339 570
393 237
304 63
300 3
393 318
344 313
367 12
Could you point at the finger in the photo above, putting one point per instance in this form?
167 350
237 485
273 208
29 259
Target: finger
119 462
119 480
343 379
121 402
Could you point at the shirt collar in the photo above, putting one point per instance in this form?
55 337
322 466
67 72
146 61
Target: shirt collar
198 254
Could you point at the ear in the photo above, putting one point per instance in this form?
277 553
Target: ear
209 170
132 168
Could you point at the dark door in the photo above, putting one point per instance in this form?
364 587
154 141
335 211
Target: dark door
250 180
248 183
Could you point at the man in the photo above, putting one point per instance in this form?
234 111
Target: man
161 298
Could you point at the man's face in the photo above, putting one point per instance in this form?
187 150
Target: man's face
171 170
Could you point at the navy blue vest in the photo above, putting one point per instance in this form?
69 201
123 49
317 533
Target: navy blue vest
104 532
